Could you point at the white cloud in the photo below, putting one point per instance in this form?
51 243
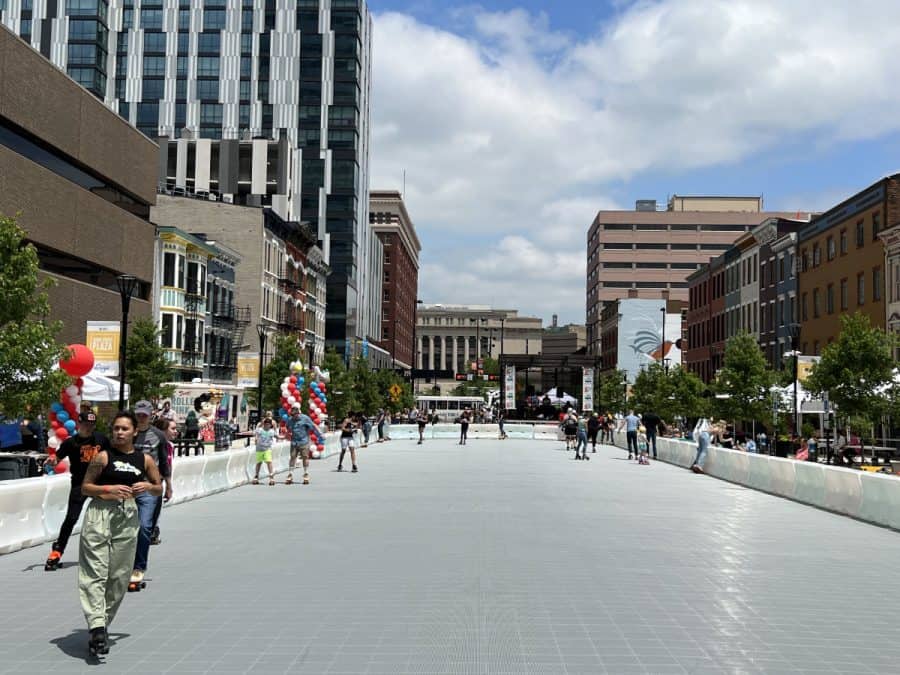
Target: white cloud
512 135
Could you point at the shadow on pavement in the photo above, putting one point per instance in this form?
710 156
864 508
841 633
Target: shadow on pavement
75 644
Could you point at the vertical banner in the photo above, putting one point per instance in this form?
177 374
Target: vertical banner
248 369
509 388
103 339
587 388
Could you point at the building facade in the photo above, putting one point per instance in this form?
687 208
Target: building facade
281 270
252 70
891 240
83 185
400 281
454 337
841 260
649 251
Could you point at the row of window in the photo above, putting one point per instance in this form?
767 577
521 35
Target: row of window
649 265
811 256
665 227
828 296
623 246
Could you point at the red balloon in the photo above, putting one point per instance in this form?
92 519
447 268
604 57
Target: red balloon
323 386
62 467
81 362
320 447
62 433
79 383
293 379
54 424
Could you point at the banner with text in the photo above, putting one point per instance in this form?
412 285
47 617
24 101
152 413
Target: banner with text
248 369
509 388
103 339
587 388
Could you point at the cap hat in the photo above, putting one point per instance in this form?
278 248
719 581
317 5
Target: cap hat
88 417
143 408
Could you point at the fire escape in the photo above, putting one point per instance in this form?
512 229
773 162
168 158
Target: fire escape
290 318
235 320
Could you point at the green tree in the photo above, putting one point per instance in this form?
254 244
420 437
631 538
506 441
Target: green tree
855 370
671 395
340 390
28 346
385 381
686 395
146 367
611 392
742 385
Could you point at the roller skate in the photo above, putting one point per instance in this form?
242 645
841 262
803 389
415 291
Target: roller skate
155 539
255 481
354 470
289 480
53 561
306 479
99 642
137 581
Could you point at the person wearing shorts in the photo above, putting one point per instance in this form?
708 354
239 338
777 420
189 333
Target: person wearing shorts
265 436
421 420
347 443
299 427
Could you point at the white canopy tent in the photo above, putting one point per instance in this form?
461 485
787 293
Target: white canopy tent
99 388
806 402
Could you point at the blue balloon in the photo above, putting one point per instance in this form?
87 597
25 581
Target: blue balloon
300 380
62 416
57 407
324 399
70 426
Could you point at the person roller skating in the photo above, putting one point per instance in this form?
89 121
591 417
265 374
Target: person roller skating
299 427
80 449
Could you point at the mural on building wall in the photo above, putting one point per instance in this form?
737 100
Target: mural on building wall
641 337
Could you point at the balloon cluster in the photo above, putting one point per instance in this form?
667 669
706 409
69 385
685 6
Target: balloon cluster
292 390
64 414
318 409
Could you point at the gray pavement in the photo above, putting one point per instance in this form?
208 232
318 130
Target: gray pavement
499 557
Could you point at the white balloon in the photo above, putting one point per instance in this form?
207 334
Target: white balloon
316 454
53 442
77 401
292 400
72 390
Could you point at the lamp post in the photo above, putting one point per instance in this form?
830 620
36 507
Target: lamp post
263 338
625 386
127 284
795 340
415 347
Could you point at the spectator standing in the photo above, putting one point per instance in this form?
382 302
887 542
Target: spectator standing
593 427
223 431
379 424
653 425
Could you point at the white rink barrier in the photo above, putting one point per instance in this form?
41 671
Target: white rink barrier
22 513
872 497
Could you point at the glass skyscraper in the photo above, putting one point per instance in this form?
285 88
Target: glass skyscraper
240 70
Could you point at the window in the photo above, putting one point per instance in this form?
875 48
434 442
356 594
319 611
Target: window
831 251
860 289
209 42
84 30
86 55
816 303
96 8
151 19
860 234
168 269
616 265
184 19
155 42
207 66
845 294
168 329
208 89
617 247
147 114
877 283
184 43
651 265
213 19
843 241
684 266
781 312
684 247
876 225
817 256
829 299
803 308
152 89
652 247
154 66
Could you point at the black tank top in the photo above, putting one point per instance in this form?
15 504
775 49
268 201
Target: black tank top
122 469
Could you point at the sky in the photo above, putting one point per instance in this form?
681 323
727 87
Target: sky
516 121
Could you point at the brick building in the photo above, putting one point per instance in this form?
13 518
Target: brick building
841 260
390 221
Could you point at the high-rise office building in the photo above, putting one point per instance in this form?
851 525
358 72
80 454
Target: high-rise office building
232 70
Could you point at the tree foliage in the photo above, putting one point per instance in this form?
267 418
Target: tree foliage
856 369
610 395
671 395
28 346
285 350
146 367
743 383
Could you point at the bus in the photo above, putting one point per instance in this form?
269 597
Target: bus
448 408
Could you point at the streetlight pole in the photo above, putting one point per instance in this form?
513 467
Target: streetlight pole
263 338
795 340
415 347
127 284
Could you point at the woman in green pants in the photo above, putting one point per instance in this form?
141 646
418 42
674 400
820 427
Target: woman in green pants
110 529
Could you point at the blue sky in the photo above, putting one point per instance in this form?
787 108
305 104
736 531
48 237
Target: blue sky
516 121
